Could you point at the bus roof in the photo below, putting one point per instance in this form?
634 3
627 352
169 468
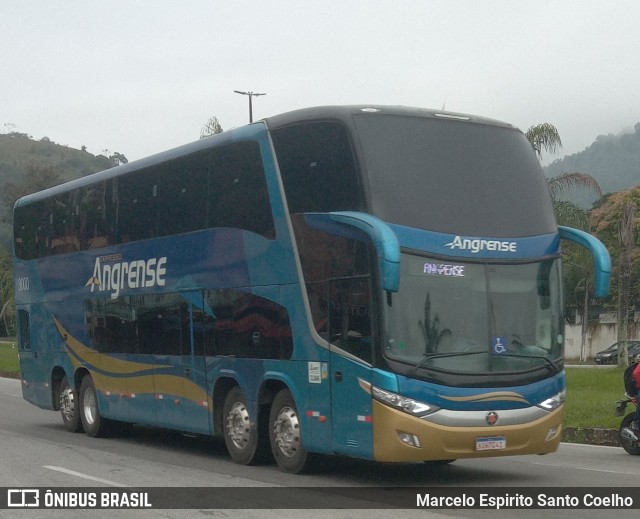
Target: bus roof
152 160
345 113
342 113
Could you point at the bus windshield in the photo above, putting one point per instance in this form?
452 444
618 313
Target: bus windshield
475 318
454 177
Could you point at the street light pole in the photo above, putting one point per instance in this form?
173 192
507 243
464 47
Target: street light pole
251 96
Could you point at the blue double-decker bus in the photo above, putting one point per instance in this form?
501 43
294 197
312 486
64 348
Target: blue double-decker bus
377 282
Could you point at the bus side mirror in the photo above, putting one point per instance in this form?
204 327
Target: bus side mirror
384 240
600 254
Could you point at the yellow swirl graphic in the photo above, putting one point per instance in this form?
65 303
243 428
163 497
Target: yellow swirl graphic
496 396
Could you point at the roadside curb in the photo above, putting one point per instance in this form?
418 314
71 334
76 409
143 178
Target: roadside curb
591 436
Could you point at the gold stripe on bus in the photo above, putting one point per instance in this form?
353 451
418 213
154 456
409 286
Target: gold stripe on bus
142 384
103 361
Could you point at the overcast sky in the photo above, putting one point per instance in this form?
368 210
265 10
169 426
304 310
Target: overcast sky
139 77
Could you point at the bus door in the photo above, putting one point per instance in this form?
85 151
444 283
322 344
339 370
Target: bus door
171 340
350 335
338 263
198 403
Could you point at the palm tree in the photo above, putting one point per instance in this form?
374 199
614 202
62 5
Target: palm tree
568 181
626 239
545 137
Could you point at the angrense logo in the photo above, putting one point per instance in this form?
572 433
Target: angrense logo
476 245
114 277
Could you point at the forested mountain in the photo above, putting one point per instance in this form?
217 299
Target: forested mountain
613 160
24 161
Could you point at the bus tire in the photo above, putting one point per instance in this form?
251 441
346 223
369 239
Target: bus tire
93 423
285 435
69 406
240 434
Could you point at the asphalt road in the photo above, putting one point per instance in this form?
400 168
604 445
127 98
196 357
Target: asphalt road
38 452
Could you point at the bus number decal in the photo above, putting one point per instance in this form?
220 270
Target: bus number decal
23 284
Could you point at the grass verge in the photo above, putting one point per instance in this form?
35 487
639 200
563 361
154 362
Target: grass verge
591 397
9 366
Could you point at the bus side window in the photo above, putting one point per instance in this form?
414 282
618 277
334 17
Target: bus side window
95 205
162 325
239 190
63 221
248 326
318 168
183 195
137 206
337 274
29 231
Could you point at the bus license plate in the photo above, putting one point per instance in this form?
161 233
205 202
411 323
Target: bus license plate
491 444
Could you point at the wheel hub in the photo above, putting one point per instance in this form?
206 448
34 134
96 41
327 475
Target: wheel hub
67 403
286 430
90 407
238 425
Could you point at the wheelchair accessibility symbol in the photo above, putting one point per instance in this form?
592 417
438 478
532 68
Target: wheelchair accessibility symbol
499 346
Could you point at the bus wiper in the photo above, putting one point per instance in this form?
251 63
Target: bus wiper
552 365
428 356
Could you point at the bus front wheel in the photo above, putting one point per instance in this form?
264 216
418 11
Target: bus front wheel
240 436
285 435
69 406
94 425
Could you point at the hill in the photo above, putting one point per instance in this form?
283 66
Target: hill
18 153
613 160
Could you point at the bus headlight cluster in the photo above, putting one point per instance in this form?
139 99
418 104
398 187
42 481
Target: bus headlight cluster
408 405
554 402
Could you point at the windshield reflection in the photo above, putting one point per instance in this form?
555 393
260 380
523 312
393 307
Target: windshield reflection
475 317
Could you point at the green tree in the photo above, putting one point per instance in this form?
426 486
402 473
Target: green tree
118 159
7 310
211 127
36 178
544 137
568 181
578 266
626 237
617 223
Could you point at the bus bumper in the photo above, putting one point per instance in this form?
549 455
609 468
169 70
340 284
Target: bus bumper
399 437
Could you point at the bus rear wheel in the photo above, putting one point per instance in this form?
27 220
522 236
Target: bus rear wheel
92 422
240 435
285 435
69 406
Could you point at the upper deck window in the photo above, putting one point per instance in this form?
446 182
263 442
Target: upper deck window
454 177
318 169
220 187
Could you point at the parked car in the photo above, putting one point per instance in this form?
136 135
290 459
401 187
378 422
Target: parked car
610 355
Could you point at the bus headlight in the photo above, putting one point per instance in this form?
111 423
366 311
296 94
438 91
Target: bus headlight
408 405
554 402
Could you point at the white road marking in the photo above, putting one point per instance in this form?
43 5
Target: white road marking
85 476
